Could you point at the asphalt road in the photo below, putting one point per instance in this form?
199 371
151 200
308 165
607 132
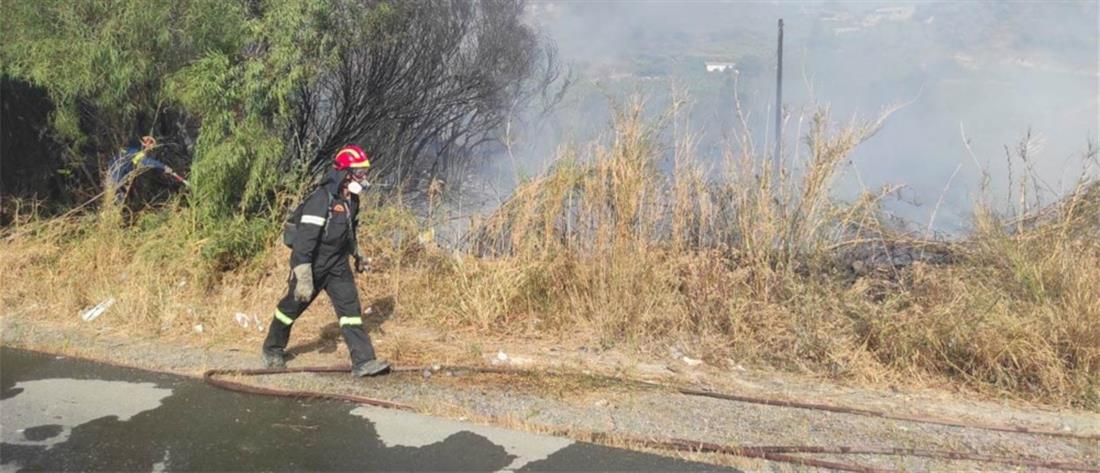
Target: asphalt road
65 414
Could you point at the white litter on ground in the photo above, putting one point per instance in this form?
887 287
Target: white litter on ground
691 361
242 319
94 312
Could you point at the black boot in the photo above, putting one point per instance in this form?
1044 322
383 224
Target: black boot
370 368
274 359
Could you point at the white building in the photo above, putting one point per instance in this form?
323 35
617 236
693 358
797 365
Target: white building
720 66
889 14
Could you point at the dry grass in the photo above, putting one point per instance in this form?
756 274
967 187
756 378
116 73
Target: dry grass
755 266
152 266
615 246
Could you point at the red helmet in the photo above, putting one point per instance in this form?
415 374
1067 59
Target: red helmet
350 156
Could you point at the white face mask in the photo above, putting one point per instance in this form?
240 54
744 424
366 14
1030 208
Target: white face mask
355 187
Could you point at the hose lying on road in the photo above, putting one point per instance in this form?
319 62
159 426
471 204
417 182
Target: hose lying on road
1017 429
773 453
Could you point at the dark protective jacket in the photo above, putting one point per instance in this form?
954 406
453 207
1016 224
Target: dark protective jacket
326 231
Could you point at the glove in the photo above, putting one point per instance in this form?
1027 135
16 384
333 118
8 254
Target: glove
303 285
362 263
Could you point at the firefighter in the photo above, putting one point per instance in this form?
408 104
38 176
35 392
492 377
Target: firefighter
128 160
323 240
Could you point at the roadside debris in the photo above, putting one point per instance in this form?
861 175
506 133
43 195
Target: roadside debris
94 312
242 319
691 361
247 322
502 358
198 328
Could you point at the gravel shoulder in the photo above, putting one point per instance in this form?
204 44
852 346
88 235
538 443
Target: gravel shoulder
573 398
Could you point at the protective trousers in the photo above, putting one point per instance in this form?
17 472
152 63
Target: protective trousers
339 283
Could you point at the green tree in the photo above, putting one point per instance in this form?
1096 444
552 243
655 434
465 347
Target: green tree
245 98
231 83
104 62
216 77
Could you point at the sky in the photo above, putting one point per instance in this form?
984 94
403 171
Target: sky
993 69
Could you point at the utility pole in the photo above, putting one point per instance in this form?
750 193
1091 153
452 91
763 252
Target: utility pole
779 100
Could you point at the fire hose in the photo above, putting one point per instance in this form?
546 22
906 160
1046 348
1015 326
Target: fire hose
782 453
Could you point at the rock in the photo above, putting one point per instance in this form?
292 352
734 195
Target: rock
198 328
502 357
601 403
691 361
